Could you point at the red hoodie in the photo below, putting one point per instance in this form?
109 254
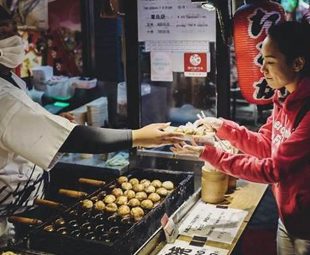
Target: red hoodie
275 154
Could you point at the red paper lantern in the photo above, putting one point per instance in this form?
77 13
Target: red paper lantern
251 24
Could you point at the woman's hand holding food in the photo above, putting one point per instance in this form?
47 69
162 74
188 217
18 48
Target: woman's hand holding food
208 139
187 150
154 135
211 123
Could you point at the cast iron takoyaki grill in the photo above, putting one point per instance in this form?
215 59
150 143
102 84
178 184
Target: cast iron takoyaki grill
81 229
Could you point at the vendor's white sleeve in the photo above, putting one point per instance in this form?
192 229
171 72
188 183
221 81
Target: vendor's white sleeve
32 132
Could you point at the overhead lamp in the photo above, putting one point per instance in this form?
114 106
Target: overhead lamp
206 4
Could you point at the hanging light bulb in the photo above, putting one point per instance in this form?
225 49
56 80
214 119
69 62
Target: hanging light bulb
205 4
208 5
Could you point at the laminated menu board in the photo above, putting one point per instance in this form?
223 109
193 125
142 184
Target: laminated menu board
216 223
177 20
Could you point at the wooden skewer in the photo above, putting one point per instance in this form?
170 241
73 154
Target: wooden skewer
25 220
92 182
72 193
48 203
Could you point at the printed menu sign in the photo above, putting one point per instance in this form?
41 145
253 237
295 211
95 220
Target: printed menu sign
184 248
217 224
174 20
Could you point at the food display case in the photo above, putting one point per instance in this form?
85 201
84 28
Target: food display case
176 50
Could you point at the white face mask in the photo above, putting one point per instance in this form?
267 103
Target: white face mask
12 52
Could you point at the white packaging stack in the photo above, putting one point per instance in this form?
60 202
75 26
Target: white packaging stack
97 112
59 87
83 83
41 74
80 115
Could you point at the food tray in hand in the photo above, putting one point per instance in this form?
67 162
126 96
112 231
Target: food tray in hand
83 230
190 130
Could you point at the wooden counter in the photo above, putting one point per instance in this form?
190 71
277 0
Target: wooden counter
246 197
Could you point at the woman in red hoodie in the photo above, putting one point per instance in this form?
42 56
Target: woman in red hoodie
279 153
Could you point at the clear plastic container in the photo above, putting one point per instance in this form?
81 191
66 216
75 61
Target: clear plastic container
59 87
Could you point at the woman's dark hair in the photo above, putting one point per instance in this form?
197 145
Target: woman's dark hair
293 40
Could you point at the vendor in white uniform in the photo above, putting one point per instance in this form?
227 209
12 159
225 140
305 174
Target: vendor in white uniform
32 139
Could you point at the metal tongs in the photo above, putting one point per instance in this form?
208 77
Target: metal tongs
222 145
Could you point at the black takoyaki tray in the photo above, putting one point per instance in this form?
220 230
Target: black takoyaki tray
121 237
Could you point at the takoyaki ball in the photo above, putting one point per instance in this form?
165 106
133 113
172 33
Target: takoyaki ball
134 181
141 195
147 204
162 192
99 206
156 183
123 210
126 186
130 194
87 204
137 213
122 200
154 197
122 179
117 192
150 189
111 208
145 182
109 199
138 187
134 202
168 185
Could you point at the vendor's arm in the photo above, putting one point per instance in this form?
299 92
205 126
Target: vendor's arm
292 152
30 131
253 143
85 139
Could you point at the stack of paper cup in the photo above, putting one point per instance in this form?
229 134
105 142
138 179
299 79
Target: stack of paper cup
80 116
97 112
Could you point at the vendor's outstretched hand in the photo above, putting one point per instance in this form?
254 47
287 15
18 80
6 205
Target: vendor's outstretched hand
153 135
